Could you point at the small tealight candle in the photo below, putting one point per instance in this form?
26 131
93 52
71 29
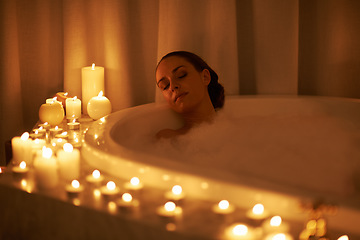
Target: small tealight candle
95 178
69 162
134 184
21 170
176 193
63 135
223 207
55 130
99 106
73 125
127 202
110 189
169 210
258 212
74 189
240 231
37 134
275 224
279 236
44 125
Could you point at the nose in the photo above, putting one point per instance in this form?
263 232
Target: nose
174 86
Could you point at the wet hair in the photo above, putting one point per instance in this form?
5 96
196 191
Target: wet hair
215 89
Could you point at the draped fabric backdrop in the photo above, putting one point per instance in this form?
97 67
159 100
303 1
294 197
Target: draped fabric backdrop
307 47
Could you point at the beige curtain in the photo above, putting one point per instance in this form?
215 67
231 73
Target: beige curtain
256 46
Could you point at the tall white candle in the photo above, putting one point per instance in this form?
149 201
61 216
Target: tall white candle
69 162
45 168
99 106
92 83
73 108
22 149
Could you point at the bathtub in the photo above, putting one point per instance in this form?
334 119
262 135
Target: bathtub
282 151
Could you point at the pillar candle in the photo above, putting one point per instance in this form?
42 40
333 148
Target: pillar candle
22 149
45 168
69 162
73 108
92 83
99 106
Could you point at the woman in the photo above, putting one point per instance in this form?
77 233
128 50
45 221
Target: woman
190 87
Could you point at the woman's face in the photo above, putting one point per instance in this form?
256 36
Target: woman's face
183 87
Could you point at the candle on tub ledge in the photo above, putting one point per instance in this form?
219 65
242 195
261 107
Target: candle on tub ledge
95 177
74 188
257 213
110 190
240 231
92 78
55 130
36 134
21 149
21 170
169 210
279 236
45 168
73 124
98 106
73 108
176 194
61 97
69 162
275 225
51 112
127 202
134 184
223 208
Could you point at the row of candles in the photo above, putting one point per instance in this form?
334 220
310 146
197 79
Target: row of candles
274 228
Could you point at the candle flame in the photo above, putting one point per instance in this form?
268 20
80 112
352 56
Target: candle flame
100 94
22 165
65 94
343 237
56 127
46 152
74 98
279 236
258 209
1 170
177 189
96 174
75 184
111 185
93 66
275 221
64 133
224 204
25 136
126 197
46 123
36 131
240 230
170 206
135 181
68 147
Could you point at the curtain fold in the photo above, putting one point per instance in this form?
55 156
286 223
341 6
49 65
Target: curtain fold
307 47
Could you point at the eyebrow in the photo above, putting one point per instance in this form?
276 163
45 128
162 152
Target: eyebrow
173 71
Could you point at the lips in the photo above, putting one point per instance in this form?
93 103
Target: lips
179 96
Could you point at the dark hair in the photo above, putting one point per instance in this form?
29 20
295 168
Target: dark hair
215 89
